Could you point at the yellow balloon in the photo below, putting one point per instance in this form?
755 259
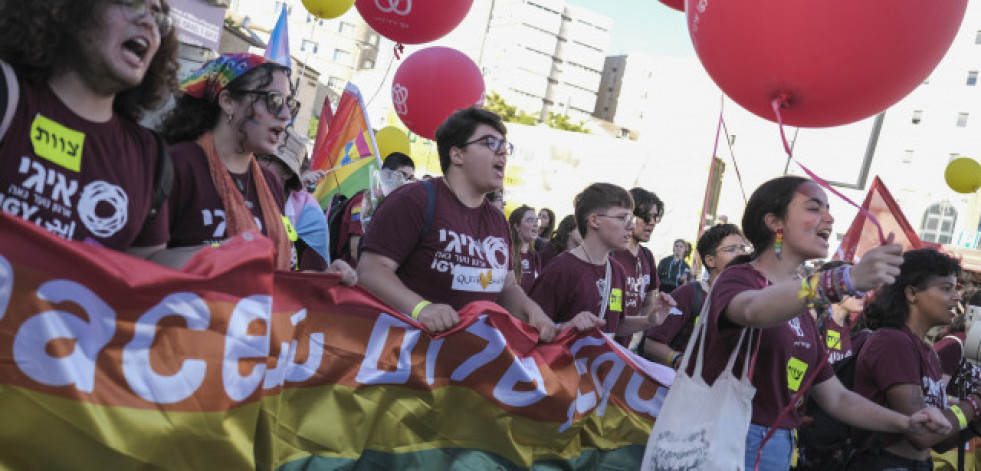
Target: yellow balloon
327 9
391 139
963 175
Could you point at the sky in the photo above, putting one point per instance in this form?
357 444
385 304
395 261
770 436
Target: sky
645 26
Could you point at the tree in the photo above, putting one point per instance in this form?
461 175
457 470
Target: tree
509 113
561 121
312 129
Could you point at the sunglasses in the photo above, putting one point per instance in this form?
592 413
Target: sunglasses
136 9
275 101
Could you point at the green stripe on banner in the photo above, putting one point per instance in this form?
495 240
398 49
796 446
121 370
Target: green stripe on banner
467 459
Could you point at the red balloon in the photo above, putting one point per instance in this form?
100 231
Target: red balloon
433 83
413 21
676 4
835 61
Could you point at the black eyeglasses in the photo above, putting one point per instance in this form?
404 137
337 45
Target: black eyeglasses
494 143
275 101
135 9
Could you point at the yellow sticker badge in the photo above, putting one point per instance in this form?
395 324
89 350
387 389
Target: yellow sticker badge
834 340
290 230
795 373
57 143
616 299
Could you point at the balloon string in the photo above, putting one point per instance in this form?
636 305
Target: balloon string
781 102
735 164
399 50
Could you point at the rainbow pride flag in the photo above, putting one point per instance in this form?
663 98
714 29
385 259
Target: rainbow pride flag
111 362
347 150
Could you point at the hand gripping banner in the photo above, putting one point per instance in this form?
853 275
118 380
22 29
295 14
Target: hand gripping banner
109 362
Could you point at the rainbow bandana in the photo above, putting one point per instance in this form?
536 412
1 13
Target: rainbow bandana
212 78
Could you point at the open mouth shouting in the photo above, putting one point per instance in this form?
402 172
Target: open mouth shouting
136 50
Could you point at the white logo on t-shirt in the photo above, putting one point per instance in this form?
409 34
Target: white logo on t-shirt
99 193
795 324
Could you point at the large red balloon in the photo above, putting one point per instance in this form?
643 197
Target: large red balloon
433 83
676 4
835 61
413 21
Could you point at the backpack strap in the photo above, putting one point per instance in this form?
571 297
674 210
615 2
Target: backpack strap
430 209
9 106
163 180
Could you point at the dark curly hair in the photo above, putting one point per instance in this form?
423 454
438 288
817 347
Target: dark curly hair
39 37
891 307
193 117
560 237
709 242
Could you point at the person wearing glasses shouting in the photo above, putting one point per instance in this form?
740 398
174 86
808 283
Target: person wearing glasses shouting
233 107
584 288
717 247
432 247
77 77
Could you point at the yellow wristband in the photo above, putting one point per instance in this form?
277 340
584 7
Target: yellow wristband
416 310
961 419
808 288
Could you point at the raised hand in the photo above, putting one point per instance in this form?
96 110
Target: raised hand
879 266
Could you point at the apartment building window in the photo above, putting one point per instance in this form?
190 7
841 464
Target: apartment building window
310 19
908 156
962 120
938 223
972 78
308 45
953 155
917 116
335 82
278 5
372 39
368 64
346 28
977 39
340 55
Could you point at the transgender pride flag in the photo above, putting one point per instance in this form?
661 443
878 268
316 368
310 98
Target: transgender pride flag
278 48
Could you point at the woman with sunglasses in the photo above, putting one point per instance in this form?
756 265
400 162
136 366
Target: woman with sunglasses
787 220
235 106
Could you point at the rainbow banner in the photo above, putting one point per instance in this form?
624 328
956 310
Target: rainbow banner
108 362
347 151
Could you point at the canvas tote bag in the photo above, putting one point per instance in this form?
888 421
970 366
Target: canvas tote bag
704 427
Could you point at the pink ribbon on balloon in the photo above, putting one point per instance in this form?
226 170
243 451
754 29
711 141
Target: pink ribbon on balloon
781 102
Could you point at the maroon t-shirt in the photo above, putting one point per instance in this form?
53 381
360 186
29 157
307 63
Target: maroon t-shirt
638 270
546 255
465 255
77 178
351 226
674 323
893 357
530 270
789 353
838 340
197 215
569 286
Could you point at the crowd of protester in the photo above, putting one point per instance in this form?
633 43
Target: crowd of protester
227 161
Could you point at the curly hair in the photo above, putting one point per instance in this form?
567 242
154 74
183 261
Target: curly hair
39 37
709 242
193 117
891 306
560 237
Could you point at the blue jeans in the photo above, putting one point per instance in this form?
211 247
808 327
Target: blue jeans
777 452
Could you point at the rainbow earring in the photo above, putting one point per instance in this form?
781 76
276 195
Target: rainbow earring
778 242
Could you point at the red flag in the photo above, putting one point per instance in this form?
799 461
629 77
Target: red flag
326 117
862 234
